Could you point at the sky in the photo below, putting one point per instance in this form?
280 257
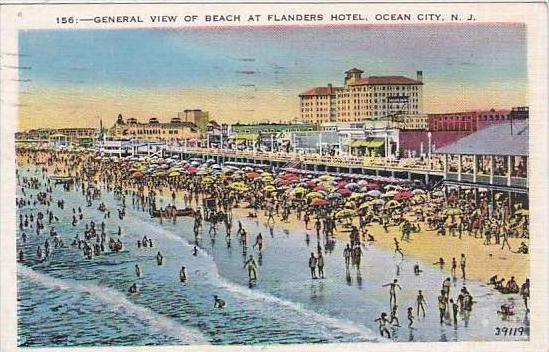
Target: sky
74 78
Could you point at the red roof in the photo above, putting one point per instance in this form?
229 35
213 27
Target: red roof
319 91
383 80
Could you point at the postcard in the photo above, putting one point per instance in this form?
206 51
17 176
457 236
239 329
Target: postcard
274 176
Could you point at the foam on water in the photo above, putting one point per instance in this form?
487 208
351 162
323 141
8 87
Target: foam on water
116 299
344 326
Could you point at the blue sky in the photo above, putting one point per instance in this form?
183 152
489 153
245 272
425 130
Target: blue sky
250 64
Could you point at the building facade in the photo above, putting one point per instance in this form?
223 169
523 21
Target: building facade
467 121
363 98
154 130
318 105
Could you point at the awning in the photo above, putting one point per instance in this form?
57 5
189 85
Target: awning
246 137
368 143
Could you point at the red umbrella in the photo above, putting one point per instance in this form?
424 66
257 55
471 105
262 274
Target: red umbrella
191 170
344 192
342 184
403 195
318 202
371 186
252 175
137 174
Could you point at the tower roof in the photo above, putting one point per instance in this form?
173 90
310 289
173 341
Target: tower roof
354 70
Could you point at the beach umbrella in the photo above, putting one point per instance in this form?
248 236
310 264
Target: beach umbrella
362 183
174 174
392 204
208 179
137 174
334 195
388 187
345 213
452 212
390 194
239 186
326 178
299 190
269 189
418 191
191 170
438 194
352 186
420 197
266 174
313 195
372 186
404 195
344 192
267 179
374 193
247 169
365 205
259 171
522 212
252 175
355 196
342 184
350 205
318 202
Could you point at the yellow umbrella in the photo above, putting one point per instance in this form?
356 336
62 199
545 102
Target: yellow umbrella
345 213
299 190
392 204
269 189
326 178
365 205
266 174
174 174
356 196
314 195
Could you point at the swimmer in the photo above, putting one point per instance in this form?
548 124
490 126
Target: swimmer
218 302
183 274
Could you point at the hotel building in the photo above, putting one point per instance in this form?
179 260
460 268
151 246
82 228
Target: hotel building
363 98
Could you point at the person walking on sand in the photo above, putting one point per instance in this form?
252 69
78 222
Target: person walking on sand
397 247
462 264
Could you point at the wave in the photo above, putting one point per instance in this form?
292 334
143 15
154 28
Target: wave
344 326
113 297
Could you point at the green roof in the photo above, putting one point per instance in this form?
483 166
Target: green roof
368 143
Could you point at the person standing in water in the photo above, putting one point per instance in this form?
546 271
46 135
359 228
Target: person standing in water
410 317
159 258
392 291
137 270
312 266
320 264
383 325
252 268
525 293
420 303
183 274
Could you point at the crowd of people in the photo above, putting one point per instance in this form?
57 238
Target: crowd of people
212 193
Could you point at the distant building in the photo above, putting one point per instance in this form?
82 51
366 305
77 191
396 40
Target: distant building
467 121
196 116
60 136
318 105
154 130
363 98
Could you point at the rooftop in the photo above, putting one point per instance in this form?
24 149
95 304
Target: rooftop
319 91
492 140
385 80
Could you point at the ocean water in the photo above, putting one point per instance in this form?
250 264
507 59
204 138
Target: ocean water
68 300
